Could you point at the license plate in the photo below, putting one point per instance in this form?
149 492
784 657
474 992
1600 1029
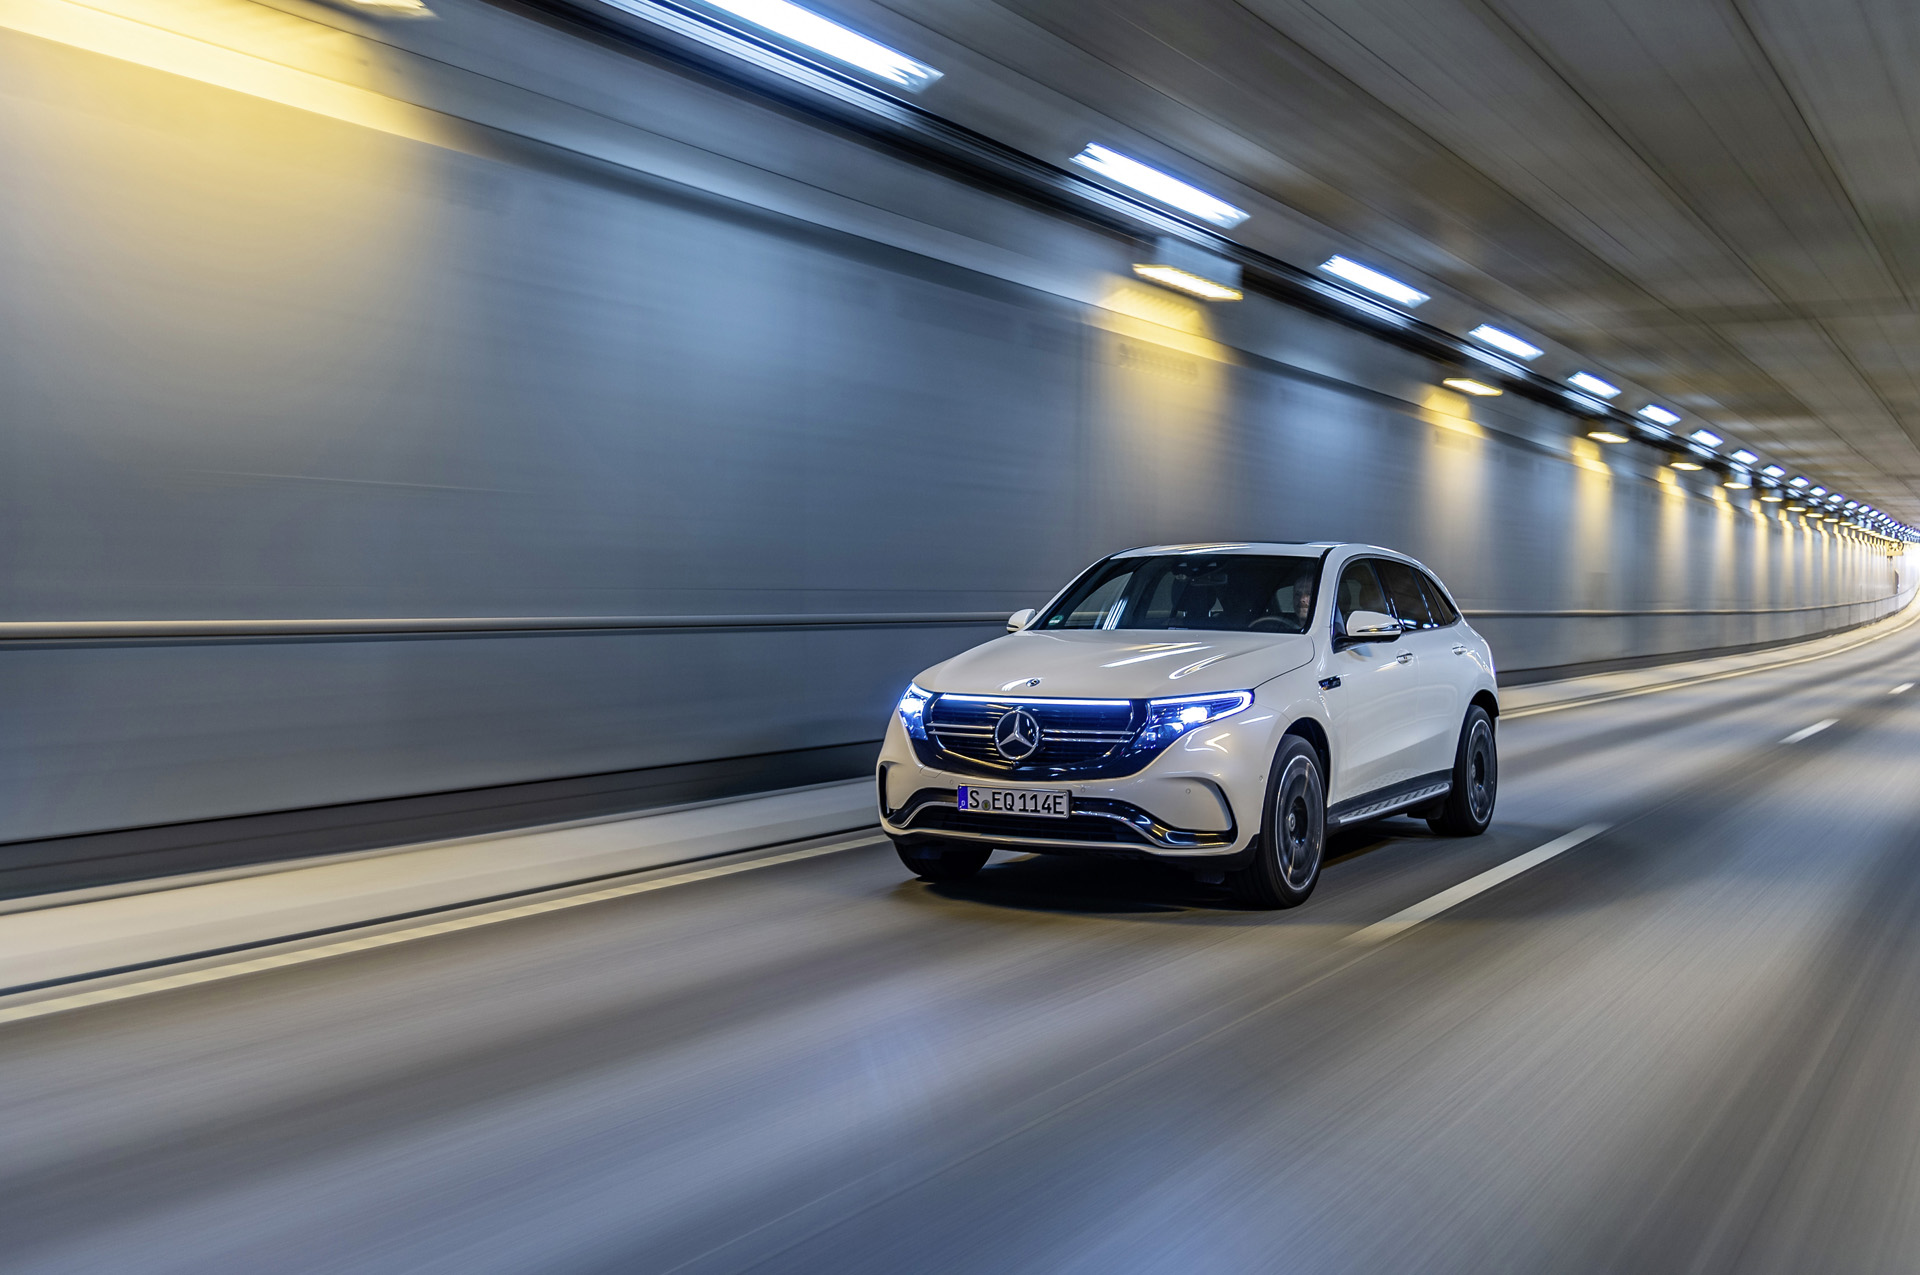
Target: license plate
1015 801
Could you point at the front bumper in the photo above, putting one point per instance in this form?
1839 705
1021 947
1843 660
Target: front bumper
1198 801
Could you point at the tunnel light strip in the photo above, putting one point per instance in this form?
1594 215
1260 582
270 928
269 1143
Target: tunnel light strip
842 44
1383 285
1501 339
1154 184
1593 385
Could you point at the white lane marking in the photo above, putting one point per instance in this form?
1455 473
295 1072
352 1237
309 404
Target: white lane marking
1427 909
1901 689
1807 732
390 938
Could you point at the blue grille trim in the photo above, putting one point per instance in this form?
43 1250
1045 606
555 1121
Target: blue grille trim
1079 738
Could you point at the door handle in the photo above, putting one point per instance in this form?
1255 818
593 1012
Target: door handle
1458 649
1405 657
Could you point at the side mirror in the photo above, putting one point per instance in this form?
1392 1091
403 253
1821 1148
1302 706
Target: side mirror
1020 619
1368 626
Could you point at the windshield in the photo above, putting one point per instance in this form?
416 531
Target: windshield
1240 592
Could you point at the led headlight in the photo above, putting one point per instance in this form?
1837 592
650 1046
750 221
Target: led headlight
1169 719
913 711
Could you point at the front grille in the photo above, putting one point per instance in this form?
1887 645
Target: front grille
1077 737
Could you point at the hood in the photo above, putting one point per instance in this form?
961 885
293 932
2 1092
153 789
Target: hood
1120 663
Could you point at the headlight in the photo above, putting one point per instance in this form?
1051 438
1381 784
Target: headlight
1169 719
913 711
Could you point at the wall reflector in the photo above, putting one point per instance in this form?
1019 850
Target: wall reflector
1186 268
1467 385
1192 284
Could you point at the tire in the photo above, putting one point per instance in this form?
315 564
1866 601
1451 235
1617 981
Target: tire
942 861
1468 809
1293 832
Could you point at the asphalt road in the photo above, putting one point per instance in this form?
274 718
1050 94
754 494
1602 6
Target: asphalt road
1691 1043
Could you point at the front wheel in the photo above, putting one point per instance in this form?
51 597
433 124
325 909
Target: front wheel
941 861
1468 809
1293 832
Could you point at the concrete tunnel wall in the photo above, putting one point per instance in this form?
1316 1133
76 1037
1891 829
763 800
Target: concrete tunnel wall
547 331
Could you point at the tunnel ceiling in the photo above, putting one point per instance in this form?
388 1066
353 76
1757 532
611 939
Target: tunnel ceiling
1716 199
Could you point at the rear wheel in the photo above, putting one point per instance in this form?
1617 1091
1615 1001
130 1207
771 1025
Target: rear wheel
1468 809
942 860
1293 832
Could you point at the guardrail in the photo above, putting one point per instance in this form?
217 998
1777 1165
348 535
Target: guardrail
403 626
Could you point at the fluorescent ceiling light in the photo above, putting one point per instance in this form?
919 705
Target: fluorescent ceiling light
1798 482
1705 437
1659 415
1467 385
1853 504
1174 277
1384 285
1593 385
1773 471
1687 465
803 26
1154 184
1606 436
1818 491
1745 457
1736 483
1503 340
1773 498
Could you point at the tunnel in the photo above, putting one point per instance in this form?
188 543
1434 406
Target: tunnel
512 511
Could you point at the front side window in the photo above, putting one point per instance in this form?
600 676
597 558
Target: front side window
1240 592
1360 591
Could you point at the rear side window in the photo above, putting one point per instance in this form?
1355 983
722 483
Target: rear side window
1441 609
1360 591
1403 589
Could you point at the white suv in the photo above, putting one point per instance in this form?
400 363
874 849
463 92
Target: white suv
1217 706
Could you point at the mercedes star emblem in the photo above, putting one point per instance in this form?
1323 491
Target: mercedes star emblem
1016 735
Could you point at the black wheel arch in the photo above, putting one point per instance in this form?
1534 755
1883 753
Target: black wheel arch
1316 736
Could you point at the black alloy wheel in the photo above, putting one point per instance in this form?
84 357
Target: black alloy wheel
1468 809
942 860
1293 834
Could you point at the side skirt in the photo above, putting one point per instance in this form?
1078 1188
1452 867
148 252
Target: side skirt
1385 801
